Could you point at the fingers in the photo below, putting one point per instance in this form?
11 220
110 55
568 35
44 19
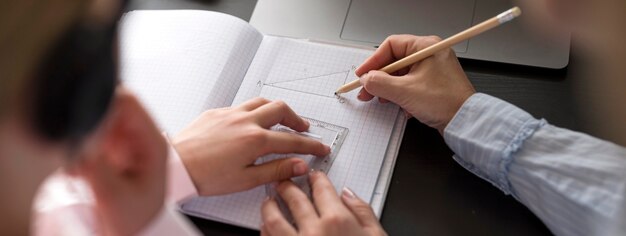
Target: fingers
277 112
364 95
359 208
324 194
274 223
281 142
263 230
394 48
253 104
299 204
381 84
276 170
389 51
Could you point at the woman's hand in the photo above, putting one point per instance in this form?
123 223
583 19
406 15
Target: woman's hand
431 90
220 147
329 214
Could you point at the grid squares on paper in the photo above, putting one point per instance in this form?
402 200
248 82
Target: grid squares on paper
181 63
370 125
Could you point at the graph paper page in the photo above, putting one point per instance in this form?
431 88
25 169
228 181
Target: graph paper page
305 76
183 62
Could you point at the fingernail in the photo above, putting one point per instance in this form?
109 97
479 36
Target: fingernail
346 192
326 149
299 169
267 198
360 95
307 122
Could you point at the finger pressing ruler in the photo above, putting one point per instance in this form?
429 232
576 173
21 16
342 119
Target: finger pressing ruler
329 134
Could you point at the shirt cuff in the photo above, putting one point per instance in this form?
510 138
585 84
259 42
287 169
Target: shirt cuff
179 183
485 134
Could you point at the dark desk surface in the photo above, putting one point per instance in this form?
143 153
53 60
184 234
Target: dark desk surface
430 194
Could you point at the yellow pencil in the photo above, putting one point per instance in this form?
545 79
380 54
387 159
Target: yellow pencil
449 42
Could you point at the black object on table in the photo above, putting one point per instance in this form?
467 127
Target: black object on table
430 194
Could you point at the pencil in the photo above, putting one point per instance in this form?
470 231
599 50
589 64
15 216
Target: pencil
449 42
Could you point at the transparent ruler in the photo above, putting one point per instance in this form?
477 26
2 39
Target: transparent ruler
329 134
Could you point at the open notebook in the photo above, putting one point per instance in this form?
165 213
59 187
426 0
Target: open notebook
183 62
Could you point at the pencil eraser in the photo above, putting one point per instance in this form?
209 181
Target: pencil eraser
509 15
516 11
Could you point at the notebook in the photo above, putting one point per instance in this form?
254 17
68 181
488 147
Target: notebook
183 62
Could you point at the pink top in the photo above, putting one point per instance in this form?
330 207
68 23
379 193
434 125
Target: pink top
64 205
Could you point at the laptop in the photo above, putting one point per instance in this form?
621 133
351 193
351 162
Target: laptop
369 22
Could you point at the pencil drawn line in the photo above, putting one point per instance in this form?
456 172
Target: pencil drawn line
300 91
310 77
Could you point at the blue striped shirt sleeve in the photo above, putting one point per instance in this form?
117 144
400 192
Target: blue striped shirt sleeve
573 182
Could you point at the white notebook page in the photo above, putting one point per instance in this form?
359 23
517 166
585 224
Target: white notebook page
305 75
386 172
181 63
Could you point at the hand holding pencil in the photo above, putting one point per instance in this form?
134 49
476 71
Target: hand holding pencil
431 86
447 43
432 90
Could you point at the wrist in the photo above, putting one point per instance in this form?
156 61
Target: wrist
180 181
186 161
461 101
